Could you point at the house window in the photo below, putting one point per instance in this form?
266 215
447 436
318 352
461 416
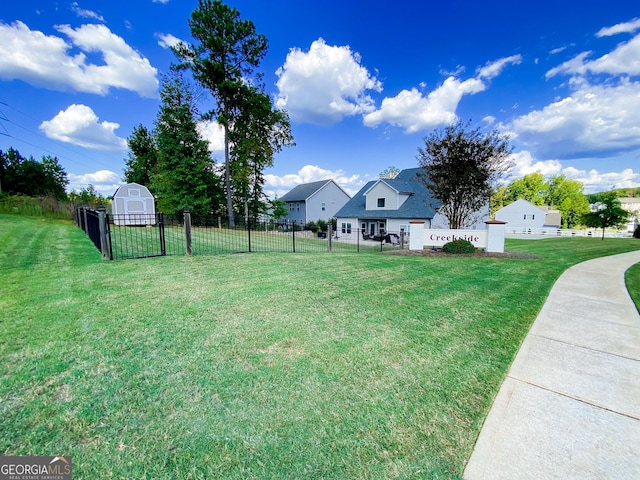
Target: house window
532 216
346 228
381 202
324 206
291 207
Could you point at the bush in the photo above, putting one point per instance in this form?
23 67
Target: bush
459 246
636 234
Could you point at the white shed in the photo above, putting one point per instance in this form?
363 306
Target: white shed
133 204
522 214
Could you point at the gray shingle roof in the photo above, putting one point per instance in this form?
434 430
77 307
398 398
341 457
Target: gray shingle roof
420 203
303 192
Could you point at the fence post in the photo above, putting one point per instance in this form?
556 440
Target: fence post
293 229
249 232
84 220
187 231
402 239
329 235
104 229
163 242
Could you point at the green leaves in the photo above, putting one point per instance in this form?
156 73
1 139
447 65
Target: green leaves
460 167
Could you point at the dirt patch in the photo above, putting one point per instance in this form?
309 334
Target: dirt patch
428 252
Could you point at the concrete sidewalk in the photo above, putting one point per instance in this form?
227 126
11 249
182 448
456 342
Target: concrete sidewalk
570 405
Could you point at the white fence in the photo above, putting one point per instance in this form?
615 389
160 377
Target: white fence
566 232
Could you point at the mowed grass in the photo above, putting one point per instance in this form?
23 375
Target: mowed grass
632 279
259 365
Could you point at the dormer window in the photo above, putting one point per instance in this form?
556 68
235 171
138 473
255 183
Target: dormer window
381 202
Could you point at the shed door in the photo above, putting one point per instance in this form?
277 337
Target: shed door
135 204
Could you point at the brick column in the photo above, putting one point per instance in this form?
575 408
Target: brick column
495 235
416 235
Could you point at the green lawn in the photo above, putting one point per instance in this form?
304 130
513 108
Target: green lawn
632 278
340 365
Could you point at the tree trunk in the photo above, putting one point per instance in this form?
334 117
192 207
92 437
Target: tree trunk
227 178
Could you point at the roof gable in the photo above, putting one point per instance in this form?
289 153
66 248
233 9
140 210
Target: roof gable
420 204
303 192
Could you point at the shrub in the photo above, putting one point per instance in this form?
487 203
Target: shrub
636 234
459 246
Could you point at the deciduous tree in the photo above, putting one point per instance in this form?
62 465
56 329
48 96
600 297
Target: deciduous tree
27 176
460 167
609 213
390 172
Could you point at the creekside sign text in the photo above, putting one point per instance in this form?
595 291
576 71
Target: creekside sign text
438 237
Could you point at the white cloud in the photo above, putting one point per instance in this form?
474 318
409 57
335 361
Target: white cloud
325 84
594 120
525 164
311 173
593 180
81 12
45 61
161 1
166 40
493 69
624 60
213 132
414 112
104 181
79 125
625 27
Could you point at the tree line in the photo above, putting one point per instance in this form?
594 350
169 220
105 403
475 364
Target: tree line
172 159
462 167
20 175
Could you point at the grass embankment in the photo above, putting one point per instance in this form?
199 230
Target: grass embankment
259 366
632 279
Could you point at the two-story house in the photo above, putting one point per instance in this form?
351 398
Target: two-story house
314 201
388 205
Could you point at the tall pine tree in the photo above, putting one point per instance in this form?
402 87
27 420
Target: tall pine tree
184 177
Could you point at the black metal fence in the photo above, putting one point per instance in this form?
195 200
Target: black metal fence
121 237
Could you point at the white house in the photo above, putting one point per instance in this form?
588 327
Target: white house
522 214
631 205
133 204
388 205
314 201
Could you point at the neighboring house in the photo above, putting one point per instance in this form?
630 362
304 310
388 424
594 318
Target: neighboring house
133 204
388 205
523 214
314 201
631 205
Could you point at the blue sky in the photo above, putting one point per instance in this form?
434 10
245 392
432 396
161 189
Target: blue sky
364 82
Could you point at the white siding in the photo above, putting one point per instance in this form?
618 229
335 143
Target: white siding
382 191
521 214
333 198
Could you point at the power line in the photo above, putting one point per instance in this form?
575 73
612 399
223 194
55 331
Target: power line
37 134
